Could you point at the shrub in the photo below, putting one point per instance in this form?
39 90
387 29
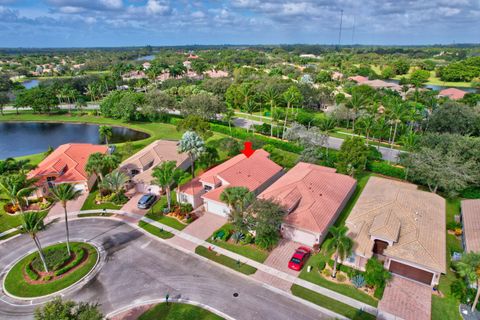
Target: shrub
358 281
341 277
321 265
458 231
386 169
238 236
47 278
471 193
326 273
452 225
269 148
248 239
222 234
55 258
79 254
31 273
379 292
375 274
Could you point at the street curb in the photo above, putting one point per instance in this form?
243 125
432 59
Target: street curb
101 259
173 300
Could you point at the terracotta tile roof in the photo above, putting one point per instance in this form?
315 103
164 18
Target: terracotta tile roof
313 194
380 84
452 93
155 153
406 299
358 79
422 237
386 226
471 224
192 187
68 158
241 171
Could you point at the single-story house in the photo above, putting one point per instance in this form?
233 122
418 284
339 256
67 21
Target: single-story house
471 225
66 164
358 79
256 173
403 227
380 84
452 93
140 166
313 197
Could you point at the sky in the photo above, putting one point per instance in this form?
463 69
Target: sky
110 23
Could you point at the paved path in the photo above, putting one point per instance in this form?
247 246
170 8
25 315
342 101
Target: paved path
140 268
57 212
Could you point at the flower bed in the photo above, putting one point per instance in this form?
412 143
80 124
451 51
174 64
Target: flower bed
28 278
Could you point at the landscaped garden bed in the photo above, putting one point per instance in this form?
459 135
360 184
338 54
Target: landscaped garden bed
178 218
178 311
226 238
28 277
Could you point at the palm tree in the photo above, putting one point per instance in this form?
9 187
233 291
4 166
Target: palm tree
327 126
228 117
238 199
17 187
63 193
114 181
95 165
271 97
192 144
166 175
356 102
367 123
32 223
396 114
292 97
340 243
469 268
105 132
92 91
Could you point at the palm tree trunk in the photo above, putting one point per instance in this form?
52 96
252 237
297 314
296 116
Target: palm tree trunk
474 305
66 228
40 252
285 123
271 124
335 258
169 200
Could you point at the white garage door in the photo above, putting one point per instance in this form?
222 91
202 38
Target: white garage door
296 235
217 208
80 187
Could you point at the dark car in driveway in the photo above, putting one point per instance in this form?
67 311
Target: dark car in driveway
146 201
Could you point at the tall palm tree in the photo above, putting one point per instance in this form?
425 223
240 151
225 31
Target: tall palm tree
271 97
228 116
238 199
64 193
166 175
292 97
340 243
367 124
327 126
17 187
94 165
192 144
469 268
396 113
356 102
114 181
106 132
92 91
32 223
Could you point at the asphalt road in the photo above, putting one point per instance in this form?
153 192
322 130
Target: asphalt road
139 268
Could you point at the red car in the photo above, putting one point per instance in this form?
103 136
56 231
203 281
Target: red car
299 258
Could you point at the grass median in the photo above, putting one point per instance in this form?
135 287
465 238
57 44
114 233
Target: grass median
178 311
155 231
226 261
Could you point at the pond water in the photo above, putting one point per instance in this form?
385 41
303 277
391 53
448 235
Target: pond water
438 88
28 84
24 138
146 58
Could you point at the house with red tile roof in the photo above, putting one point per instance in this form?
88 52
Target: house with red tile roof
358 79
452 93
255 173
66 165
313 197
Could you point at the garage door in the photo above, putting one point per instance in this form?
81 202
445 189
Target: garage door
216 208
296 235
411 272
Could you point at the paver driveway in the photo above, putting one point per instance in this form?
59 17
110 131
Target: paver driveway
131 205
56 212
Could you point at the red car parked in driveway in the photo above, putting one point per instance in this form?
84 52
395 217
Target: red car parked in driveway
299 258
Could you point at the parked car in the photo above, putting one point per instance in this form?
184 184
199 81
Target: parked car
146 201
299 258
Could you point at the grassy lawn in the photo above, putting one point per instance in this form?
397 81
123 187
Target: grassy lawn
155 231
433 80
16 284
8 221
331 304
5 237
178 311
156 213
345 289
34 159
226 261
250 251
90 204
447 307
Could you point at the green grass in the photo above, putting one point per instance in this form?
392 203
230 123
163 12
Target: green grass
226 261
250 251
90 204
331 304
155 231
434 80
178 311
16 285
7 236
8 221
88 215
156 213
346 289
34 159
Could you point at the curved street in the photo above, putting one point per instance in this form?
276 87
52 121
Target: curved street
140 268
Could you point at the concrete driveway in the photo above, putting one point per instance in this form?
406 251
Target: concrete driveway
131 205
140 268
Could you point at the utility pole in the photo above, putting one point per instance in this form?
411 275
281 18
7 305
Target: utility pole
353 31
340 31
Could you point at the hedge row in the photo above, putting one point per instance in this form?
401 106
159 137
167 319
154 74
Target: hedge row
386 169
31 273
79 254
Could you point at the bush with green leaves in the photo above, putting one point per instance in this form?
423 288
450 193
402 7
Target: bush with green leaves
386 169
248 239
31 273
321 265
375 273
60 309
79 255
238 236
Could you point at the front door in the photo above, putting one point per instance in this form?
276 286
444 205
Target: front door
379 246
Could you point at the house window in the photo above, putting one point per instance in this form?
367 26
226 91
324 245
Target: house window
183 198
351 258
207 188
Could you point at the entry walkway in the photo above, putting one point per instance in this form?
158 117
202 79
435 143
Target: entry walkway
57 212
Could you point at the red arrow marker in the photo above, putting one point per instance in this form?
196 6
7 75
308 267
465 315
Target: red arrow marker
248 151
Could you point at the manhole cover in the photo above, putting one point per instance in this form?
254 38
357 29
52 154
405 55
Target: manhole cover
235 294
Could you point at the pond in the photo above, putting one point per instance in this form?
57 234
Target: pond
146 58
25 138
438 88
28 84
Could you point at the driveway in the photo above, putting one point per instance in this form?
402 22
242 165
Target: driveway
56 212
131 205
140 268
278 259
201 228
405 299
